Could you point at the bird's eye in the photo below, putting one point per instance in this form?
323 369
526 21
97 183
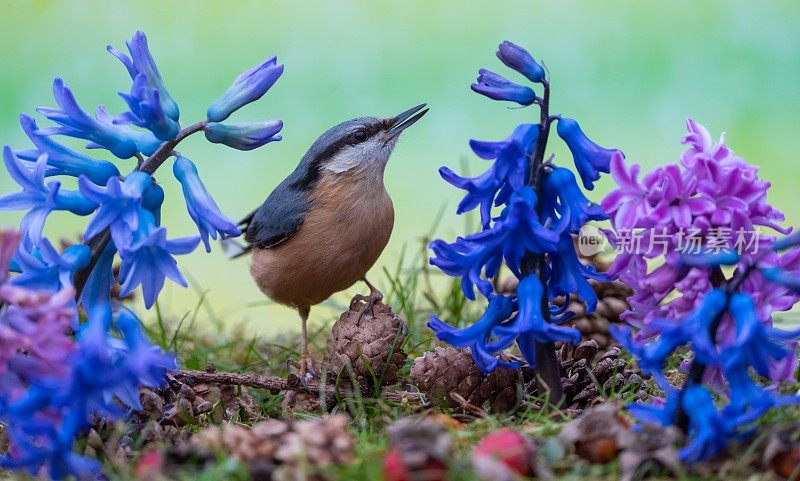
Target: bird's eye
359 136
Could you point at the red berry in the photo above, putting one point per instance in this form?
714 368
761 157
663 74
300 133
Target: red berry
394 469
508 447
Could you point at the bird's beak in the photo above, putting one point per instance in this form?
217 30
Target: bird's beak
406 119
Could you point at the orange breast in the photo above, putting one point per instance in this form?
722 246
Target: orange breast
344 232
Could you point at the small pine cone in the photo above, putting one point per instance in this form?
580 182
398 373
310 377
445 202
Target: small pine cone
371 344
447 371
304 402
248 445
313 445
589 372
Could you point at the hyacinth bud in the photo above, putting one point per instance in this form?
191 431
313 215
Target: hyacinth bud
497 87
590 159
244 135
141 63
520 60
248 87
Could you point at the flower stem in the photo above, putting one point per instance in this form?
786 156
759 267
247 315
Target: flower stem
547 366
98 243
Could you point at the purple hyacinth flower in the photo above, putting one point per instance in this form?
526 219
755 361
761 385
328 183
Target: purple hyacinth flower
147 110
62 160
120 203
148 259
478 336
628 204
100 131
520 60
39 200
497 87
202 208
245 135
46 270
590 159
141 63
678 200
562 195
248 87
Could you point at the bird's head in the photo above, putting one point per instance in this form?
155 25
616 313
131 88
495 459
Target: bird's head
359 145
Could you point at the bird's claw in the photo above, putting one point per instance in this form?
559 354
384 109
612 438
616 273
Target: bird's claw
369 300
305 368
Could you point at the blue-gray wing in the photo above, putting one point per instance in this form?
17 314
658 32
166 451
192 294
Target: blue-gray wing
278 218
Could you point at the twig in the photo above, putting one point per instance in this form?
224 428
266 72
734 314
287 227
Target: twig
276 384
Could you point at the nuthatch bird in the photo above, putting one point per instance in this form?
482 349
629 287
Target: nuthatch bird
325 225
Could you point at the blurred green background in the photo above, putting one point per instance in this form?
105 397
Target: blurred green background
629 71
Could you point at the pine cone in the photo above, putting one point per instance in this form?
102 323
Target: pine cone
313 445
371 344
273 449
181 405
584 366
447 371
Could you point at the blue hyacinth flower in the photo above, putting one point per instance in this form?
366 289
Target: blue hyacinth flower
709 431
568 275
477 337
529 325
100 131
141 63
757 343
520 60
152 200
590 159
62 160
481 191
694 329
202 208
782 277
245 135
148 260
562 195
46 270
512 154
36 197
145 364
120 203
516 231
147 110
96 294
497 87
247 87
748 401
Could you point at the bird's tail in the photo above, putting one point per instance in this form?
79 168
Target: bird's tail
233 248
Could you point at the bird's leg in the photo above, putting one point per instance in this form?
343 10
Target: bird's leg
305 356
375 296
